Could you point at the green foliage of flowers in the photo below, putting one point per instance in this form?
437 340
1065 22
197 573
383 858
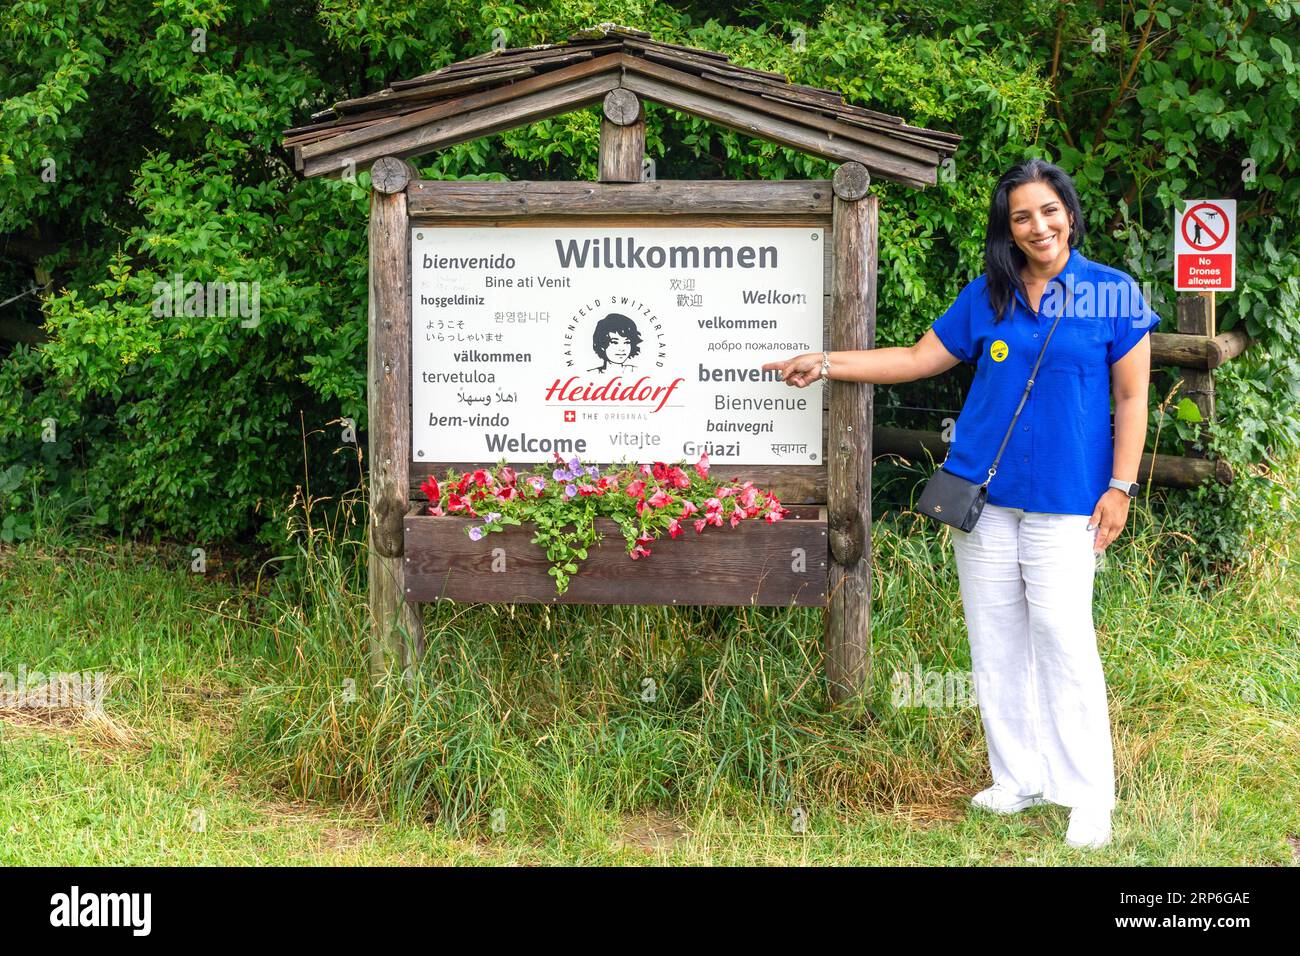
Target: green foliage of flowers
647 501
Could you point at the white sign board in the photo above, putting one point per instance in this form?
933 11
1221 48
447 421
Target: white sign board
1205 246
614 343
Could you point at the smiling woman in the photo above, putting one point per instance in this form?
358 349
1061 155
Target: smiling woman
1050 347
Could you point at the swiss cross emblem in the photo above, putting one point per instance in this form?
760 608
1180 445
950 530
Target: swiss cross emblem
570 415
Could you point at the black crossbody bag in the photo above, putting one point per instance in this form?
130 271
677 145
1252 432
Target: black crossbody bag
951 499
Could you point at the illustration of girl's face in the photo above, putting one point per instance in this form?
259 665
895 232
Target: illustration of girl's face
618 348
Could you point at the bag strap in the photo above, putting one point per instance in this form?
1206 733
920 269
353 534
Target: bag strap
1010 428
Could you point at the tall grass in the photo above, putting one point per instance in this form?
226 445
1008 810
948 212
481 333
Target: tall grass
536 714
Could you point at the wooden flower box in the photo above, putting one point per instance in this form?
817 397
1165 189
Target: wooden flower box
778 564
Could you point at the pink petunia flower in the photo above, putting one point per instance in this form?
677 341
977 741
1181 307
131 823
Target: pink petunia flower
640 549
659 499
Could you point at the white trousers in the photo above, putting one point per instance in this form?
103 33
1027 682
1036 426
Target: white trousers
1026 586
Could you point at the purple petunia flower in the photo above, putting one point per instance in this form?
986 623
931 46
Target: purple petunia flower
491 516
575 466
570 490
475 533
593 471
561 475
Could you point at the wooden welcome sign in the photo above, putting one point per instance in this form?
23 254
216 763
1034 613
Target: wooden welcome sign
513 317
621 320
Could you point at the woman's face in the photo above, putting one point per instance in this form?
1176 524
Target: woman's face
618 348
1040 224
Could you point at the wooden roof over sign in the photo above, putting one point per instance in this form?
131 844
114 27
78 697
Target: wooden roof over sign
505 88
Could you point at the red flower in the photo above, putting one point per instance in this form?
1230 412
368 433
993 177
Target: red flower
636 489
463 485
431 489
674 528
456 502
640 549
699 525
737 514
679 478
659 499
660 471
508 475
688 509
481 477
585 489
702 466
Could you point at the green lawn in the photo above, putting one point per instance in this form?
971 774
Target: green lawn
239 726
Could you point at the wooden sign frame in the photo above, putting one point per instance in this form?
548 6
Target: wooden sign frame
417 558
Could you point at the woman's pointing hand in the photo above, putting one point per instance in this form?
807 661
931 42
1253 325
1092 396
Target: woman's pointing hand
800 371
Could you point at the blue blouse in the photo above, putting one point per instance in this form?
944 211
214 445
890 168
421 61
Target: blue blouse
1059 459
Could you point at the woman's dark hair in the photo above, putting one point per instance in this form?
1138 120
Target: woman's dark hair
1003 259
615 323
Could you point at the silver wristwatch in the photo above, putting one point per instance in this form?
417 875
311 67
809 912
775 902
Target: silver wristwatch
1129 488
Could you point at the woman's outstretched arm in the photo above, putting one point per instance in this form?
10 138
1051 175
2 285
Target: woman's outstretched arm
874 366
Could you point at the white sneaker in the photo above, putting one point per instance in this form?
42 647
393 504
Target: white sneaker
1089 829
999 800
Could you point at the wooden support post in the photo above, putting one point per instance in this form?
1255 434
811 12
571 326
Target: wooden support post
1196 317
397 631
622 138
848 442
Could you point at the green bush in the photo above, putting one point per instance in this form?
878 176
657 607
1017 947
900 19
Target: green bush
139 141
